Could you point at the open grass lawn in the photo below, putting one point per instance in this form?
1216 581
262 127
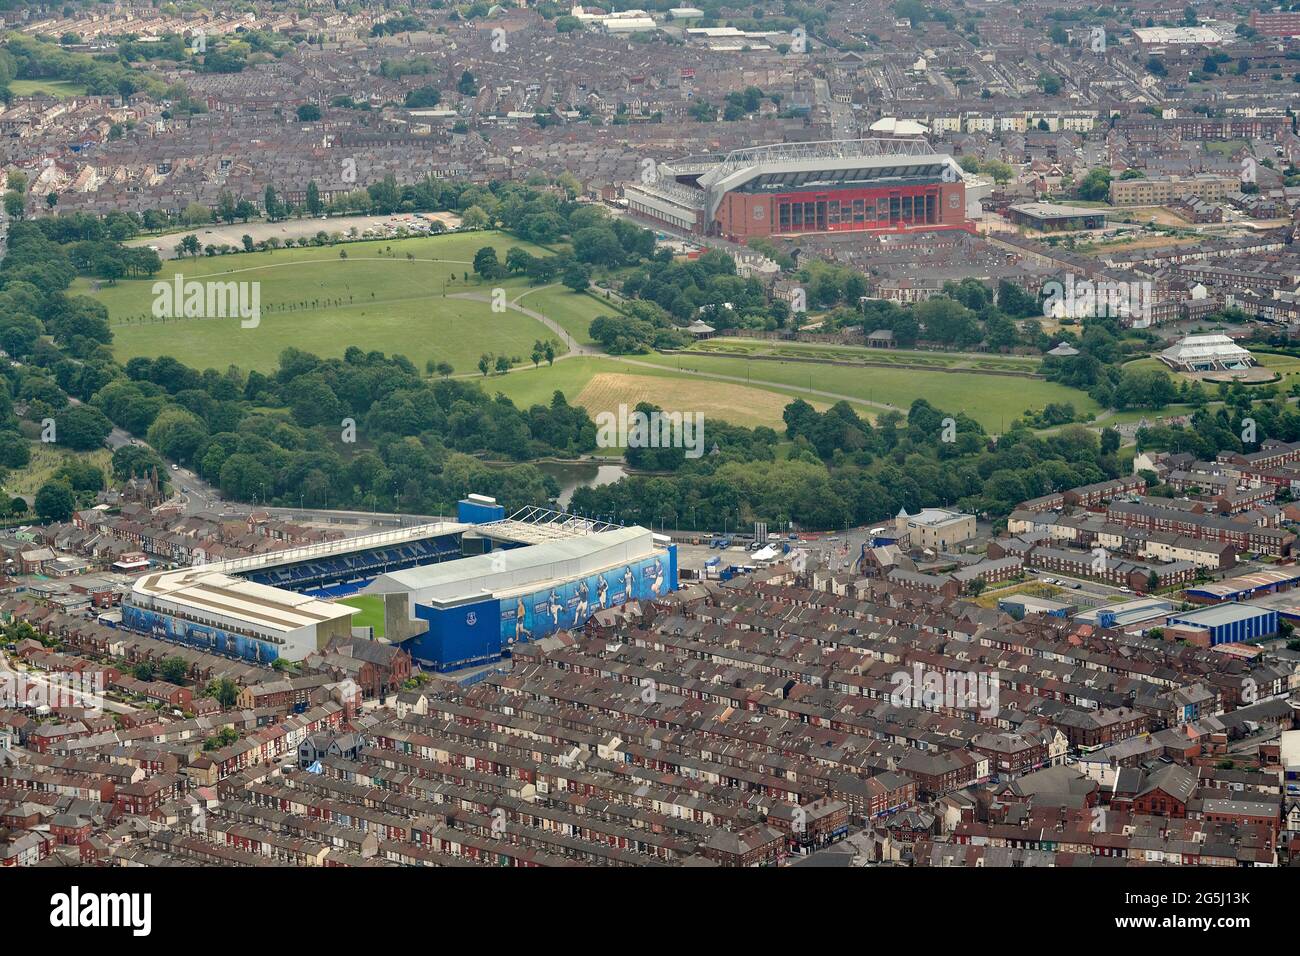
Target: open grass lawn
372 611
572 310
314 300
58 88
851 353
992 400
589 381
737 404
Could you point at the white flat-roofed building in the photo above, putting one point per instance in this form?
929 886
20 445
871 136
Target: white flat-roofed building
617 24
1177 36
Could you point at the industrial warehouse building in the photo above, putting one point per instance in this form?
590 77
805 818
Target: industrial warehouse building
1050 217
1245 586
885 184
455 593
1222 624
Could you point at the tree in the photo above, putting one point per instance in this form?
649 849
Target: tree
423 98
174 670
223 690
52 199
308 113
226 206
313 201
486 264
485 363
467 86
1095 186
576 277
271 204
54 501
83 427
474 217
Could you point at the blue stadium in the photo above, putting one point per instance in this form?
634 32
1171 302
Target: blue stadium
456 594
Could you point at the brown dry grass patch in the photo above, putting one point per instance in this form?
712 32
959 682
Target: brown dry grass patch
737 404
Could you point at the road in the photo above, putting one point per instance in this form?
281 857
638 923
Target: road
197 496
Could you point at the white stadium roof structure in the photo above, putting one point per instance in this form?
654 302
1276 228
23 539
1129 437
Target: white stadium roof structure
233 603
517 569
539 525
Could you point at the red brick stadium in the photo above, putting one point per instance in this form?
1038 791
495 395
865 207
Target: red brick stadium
861 185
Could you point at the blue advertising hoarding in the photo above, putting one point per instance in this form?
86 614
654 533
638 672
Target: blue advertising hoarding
569 605
472 633
202 637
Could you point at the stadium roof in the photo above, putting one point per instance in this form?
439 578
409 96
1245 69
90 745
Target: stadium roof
539 525
794 165
201 591
454 582
326 549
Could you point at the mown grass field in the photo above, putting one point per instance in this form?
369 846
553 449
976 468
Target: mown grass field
992 400
573 311
60 88
737 404
666 387
312 299
850 353
372 611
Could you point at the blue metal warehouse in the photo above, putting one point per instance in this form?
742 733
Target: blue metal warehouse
1228 623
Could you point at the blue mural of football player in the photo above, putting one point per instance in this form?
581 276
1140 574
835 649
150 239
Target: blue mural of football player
580 612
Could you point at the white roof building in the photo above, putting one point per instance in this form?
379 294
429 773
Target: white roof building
1201 353
892 126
